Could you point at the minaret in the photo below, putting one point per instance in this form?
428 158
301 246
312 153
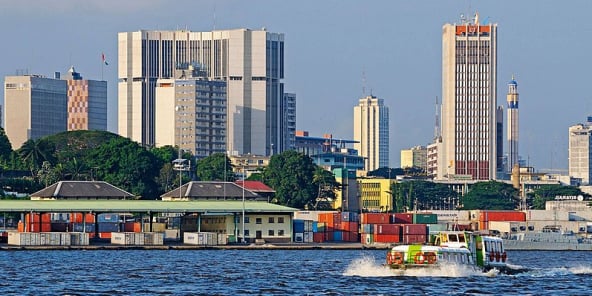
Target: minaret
512 98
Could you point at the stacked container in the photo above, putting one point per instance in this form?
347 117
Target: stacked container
303 231
406 228
200 238
137 238
337 227
47 239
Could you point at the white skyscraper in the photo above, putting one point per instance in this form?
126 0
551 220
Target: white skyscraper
469 79
580 153
512 99
251 62
371 132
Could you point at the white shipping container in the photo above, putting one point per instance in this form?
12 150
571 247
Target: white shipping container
299 237
309 215
308 237
545 215
222 239
200 238
119 238
451 215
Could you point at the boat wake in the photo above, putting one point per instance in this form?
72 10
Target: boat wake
368 267
557 271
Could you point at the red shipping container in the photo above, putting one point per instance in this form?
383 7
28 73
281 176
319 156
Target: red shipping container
336 218
387 228
402 218
132 227
486 216
318 237
350 226
354 236
416 229
375 218
387 238
414 239
329 236
105 234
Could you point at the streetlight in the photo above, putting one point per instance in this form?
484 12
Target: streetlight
180 165
243 166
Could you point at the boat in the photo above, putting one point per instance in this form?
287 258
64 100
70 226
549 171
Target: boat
550 238
472 249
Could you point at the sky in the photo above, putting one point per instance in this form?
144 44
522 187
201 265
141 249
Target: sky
337 51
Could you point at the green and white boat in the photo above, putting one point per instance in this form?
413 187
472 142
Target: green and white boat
451 247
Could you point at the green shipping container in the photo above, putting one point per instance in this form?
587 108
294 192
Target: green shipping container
425 219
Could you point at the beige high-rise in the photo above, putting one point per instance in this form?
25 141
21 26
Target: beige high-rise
469 99
250 61
34 106
371 132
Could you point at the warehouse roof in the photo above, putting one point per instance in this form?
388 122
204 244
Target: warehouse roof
216 190
141 206
81 189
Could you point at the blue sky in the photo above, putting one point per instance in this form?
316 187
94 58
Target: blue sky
332 47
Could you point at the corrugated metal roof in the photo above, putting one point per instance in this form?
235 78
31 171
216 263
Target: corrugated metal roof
155 206
213 190
72 189
256 186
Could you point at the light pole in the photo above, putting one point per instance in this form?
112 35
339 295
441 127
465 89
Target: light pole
243 166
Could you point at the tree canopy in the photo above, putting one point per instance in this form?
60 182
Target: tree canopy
291 174
216 167
491 195
541 195
422 195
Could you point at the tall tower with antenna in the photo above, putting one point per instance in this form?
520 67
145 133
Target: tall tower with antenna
512 98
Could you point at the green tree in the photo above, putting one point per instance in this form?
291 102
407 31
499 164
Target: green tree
541 195
491 195
126 164
290 174
216 167
35 152
5 147
422 195
327 186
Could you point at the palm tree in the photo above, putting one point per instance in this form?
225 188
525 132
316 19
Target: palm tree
34 153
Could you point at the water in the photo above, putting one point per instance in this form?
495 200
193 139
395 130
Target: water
276 272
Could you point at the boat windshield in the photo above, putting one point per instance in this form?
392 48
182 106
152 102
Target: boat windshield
461 237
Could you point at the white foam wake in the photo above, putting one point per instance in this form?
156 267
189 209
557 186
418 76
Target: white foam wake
368 267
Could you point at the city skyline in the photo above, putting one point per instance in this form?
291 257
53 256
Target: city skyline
337 52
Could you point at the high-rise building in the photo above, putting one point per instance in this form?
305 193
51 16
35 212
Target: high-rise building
87 102
512 98
469 79
580 153
250 61
35 107
414 157
371 132
499 141
191 112
288 122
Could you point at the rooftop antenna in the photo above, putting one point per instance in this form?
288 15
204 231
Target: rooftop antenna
214 29
363 83
437 121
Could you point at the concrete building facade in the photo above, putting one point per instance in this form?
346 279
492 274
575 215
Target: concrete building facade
469 79
87 102
580 152
414 157
191 113
35 107
512 133
250 61
371 132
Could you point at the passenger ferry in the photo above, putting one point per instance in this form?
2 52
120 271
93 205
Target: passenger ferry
451 247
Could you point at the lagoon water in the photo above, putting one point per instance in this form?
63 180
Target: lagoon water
277 272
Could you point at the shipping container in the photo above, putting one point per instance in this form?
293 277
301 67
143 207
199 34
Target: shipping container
308 237
486 216
108 227
311 215
299 237
414 238
375 218
298 226
414 229
132 227
367 228
350 226
452 215
419 218
401 218
200 238
367 238
318 237
337 236
387 228
112 218
387 238
350 217
81 227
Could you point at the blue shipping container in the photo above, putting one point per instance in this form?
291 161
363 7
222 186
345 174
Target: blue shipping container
298 225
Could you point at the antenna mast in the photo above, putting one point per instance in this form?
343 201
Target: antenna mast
363 83
437 122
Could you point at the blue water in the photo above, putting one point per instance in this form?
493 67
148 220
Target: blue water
276 272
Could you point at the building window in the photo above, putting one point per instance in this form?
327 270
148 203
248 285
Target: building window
280 219
258 220
270 232
246 232
271 220
246 219
281 232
